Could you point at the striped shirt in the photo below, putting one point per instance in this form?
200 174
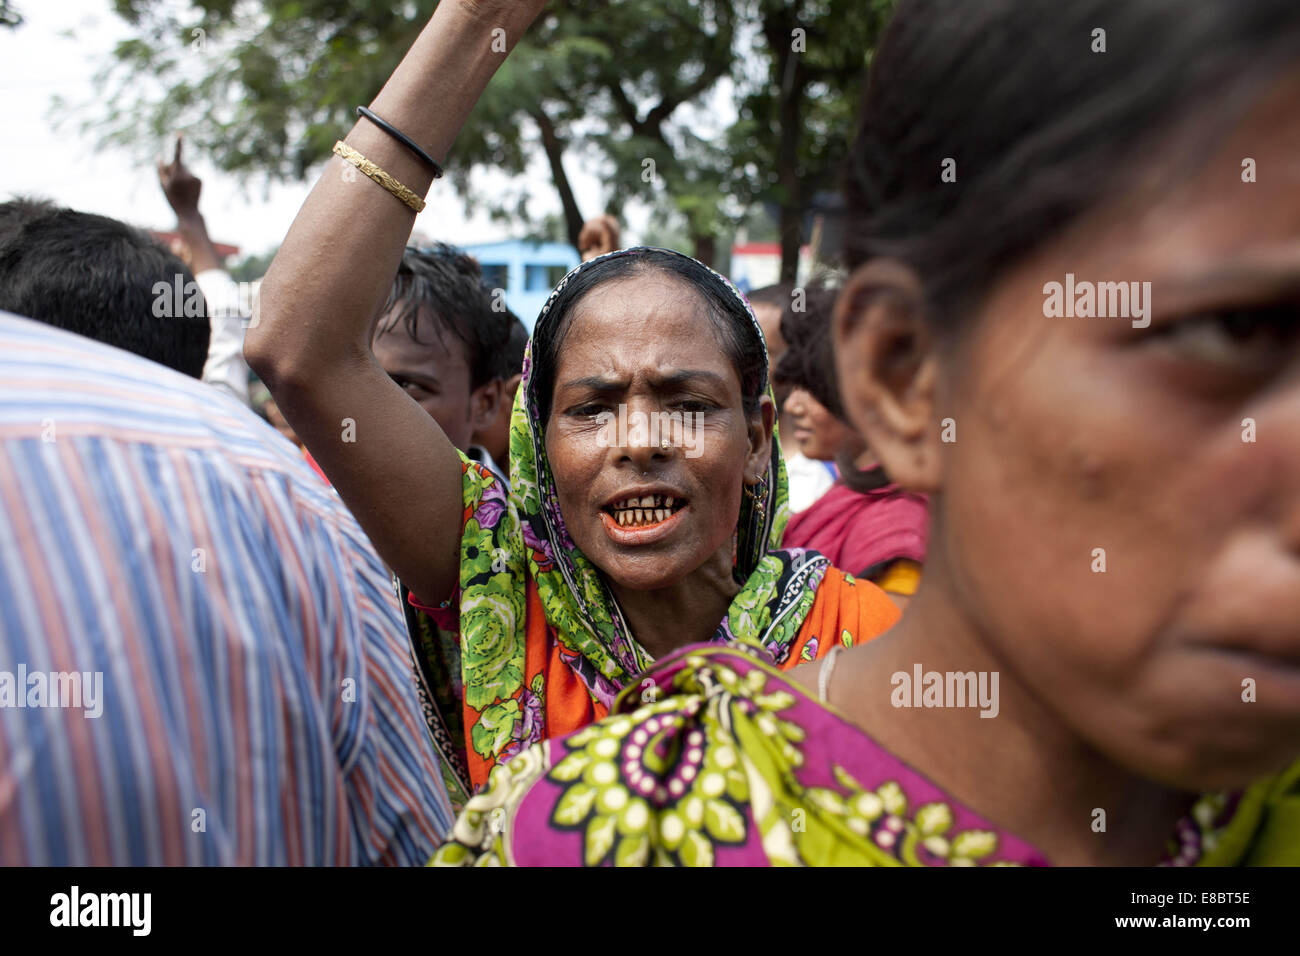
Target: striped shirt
202 661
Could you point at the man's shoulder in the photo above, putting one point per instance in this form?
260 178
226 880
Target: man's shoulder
58 385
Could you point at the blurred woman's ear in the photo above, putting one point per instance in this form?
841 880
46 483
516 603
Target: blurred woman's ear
886 362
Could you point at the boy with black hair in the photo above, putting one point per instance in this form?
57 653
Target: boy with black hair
440 339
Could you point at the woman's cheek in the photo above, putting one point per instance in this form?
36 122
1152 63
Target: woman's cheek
574 453
719 475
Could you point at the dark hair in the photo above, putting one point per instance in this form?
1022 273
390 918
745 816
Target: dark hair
447 285
96 276
1039 125
808 361
512 356
731 321
810 364
20 210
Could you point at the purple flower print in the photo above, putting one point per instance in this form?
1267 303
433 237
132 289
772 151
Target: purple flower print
530 727
492 506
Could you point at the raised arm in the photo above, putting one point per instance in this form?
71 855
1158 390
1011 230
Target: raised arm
310 342
182 189
225 367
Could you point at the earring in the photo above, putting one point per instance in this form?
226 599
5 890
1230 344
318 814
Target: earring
758 490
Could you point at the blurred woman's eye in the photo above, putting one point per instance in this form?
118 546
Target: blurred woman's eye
1250 337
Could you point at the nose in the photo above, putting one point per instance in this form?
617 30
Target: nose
794 404
647 437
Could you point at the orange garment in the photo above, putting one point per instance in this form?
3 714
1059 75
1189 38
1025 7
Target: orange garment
844 610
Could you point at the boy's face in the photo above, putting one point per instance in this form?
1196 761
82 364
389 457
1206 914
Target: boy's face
435 372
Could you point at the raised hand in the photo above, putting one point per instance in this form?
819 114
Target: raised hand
330 280
182 189
179 185
598 236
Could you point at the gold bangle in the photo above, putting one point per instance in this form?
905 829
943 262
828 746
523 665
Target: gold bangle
348 154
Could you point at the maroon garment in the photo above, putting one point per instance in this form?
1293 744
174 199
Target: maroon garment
861 532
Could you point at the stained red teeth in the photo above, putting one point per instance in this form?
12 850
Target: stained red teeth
645 510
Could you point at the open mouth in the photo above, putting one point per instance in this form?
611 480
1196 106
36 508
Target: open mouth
644 511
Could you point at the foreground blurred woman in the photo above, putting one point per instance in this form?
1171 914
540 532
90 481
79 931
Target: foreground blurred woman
648 498
1102 663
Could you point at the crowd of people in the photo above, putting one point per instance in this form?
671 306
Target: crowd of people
893 567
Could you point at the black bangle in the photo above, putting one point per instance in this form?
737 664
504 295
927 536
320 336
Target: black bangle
402 138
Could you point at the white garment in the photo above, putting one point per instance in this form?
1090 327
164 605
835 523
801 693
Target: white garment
809 479
480 454
225 367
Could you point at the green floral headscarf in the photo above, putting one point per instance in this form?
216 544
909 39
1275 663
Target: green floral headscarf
510 539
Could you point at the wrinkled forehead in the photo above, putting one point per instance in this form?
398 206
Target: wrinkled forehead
647 301
629 345
647 305
550 315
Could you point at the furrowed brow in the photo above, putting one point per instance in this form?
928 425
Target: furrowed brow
595 383
688 376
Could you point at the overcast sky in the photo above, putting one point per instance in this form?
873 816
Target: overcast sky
39 62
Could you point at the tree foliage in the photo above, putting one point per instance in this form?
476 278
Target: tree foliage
793 130
633 88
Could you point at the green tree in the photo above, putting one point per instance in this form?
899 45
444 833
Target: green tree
796 122
269 92
631 87
670 55
250 267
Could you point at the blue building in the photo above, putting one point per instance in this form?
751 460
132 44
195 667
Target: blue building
528 271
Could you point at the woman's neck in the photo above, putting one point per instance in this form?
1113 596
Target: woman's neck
1023 769
686 612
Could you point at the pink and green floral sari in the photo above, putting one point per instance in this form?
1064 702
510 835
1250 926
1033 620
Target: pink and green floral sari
737 765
